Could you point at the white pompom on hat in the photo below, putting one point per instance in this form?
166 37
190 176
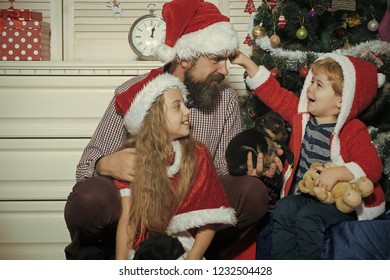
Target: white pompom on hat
135 102
195 28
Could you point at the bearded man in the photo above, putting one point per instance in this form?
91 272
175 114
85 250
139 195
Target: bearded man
199 41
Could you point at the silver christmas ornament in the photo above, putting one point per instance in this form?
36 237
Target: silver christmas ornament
372 25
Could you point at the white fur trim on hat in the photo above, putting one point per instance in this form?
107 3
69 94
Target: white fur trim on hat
215 39
145 98
198 218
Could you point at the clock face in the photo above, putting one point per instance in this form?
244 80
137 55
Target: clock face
145 34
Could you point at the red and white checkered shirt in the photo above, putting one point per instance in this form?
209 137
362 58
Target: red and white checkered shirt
214 128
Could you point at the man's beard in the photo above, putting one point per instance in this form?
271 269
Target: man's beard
204 95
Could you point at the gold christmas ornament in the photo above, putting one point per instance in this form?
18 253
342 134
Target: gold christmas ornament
354 20
274 40
258 31
301 33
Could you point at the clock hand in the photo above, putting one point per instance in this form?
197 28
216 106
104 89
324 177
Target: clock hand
153 29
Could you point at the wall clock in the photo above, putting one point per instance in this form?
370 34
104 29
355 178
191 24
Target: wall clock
146 33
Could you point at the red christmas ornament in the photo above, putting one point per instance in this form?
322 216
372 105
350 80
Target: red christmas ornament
282 21
275 73
250 7
303 71
248 41
272 4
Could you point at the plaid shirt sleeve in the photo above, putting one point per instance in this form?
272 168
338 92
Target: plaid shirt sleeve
107 137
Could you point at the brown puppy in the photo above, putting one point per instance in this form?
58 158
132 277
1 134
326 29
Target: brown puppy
269 134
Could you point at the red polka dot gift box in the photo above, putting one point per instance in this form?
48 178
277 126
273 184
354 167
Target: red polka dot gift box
23 36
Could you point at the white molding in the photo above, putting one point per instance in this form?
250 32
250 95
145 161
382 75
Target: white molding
75 68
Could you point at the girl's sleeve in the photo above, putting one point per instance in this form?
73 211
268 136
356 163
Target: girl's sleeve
269 90
124 187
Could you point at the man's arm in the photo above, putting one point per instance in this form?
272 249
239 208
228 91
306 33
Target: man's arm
107 137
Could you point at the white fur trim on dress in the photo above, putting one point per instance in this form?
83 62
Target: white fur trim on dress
198 218
125 192
215 39
259 78
175 167
369 213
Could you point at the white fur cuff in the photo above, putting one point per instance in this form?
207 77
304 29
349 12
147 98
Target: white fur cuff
259 78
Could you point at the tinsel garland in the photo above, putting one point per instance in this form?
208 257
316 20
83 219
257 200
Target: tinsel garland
375 46
381 139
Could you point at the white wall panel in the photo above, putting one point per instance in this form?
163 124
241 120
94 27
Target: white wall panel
38 169
32 230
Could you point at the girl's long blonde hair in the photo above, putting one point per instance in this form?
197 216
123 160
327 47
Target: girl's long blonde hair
155 199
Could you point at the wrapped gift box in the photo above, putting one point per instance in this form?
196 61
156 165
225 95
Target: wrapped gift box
23 35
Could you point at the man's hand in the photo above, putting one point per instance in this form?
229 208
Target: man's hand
259 171
119 165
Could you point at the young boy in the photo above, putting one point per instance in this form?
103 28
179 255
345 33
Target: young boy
325 129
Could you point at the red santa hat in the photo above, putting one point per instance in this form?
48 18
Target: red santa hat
135 102
195 28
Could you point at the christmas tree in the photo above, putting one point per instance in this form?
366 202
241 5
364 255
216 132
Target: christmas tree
288 36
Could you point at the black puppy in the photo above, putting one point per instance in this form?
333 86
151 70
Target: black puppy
159 248
269 134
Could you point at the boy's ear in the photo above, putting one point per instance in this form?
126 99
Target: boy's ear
339 103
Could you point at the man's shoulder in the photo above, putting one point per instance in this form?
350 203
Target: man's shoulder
228 93
126 85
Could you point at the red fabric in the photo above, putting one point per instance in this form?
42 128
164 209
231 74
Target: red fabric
124 100
121 184
207 191
183 17
366 85
16 16
248 253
